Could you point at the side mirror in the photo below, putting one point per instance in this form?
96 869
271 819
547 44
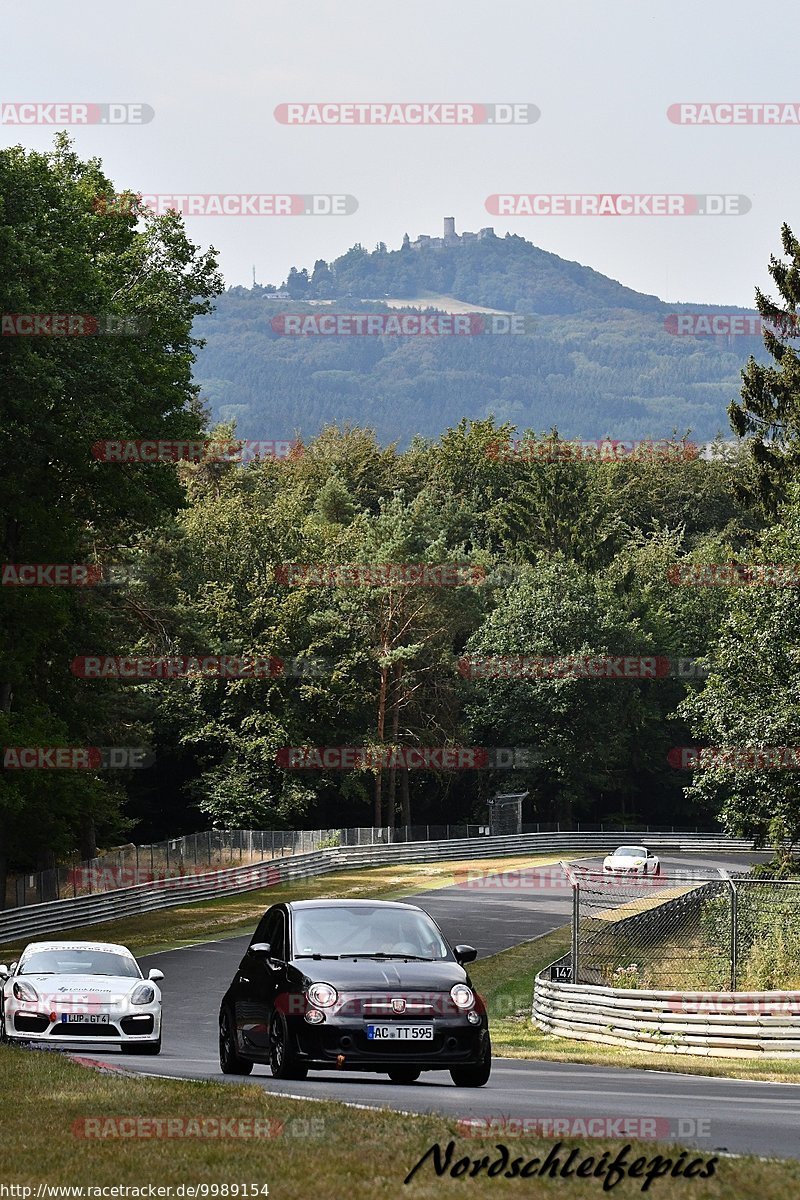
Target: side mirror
465 954
260 948
155 975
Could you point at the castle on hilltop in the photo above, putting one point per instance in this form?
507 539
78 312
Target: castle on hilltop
450 238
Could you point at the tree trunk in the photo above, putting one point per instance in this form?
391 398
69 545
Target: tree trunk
405 798
378 813
396 697
3 867
88 839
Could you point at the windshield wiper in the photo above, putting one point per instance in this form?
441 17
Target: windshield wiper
317 955
385 954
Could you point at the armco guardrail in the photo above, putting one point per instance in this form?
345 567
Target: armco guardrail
37 919
713 1024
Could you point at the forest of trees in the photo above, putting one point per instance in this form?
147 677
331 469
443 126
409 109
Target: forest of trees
581 558
598 358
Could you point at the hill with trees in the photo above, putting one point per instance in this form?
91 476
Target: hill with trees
596 359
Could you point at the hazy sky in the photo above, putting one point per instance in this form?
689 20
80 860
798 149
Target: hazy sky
602 74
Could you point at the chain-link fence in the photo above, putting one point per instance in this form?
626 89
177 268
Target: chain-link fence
688 930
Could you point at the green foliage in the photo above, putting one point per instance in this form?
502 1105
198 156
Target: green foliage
59 253
769 408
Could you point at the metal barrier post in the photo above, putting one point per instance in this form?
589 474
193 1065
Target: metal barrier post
575 918
734 933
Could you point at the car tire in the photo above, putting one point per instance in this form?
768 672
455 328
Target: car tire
141 1047
282 1061
658 869
403 1075
477 1075
230 1061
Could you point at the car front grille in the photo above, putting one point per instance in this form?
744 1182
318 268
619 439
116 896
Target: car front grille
30 1023
416 1007
83 1029
138 1024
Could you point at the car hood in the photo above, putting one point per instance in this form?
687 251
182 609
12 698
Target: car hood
86 989
368 974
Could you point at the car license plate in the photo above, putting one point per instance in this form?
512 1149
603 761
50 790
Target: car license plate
400 1033
84 1018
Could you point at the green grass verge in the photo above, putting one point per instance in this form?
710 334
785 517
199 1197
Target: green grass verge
230 916
506 982
316 1149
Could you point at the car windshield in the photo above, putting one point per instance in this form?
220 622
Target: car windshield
363 930
79 962
631 852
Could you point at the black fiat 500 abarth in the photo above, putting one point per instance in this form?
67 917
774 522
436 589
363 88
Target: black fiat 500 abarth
359 985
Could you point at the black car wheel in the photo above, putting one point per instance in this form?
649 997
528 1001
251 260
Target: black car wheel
141 1047
475 1076
403 1075
231 1063
282 1061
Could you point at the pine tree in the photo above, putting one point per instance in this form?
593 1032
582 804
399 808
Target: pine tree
769 409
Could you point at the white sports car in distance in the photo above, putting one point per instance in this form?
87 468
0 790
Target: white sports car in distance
631 860
80 991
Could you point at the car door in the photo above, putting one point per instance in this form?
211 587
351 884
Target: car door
259 976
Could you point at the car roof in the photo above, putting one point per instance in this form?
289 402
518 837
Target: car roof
73 945
293 905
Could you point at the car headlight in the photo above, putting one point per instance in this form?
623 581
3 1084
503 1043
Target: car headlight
144 994
322 995
24 991
462 996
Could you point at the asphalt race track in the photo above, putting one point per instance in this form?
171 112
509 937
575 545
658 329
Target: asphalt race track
739 1116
